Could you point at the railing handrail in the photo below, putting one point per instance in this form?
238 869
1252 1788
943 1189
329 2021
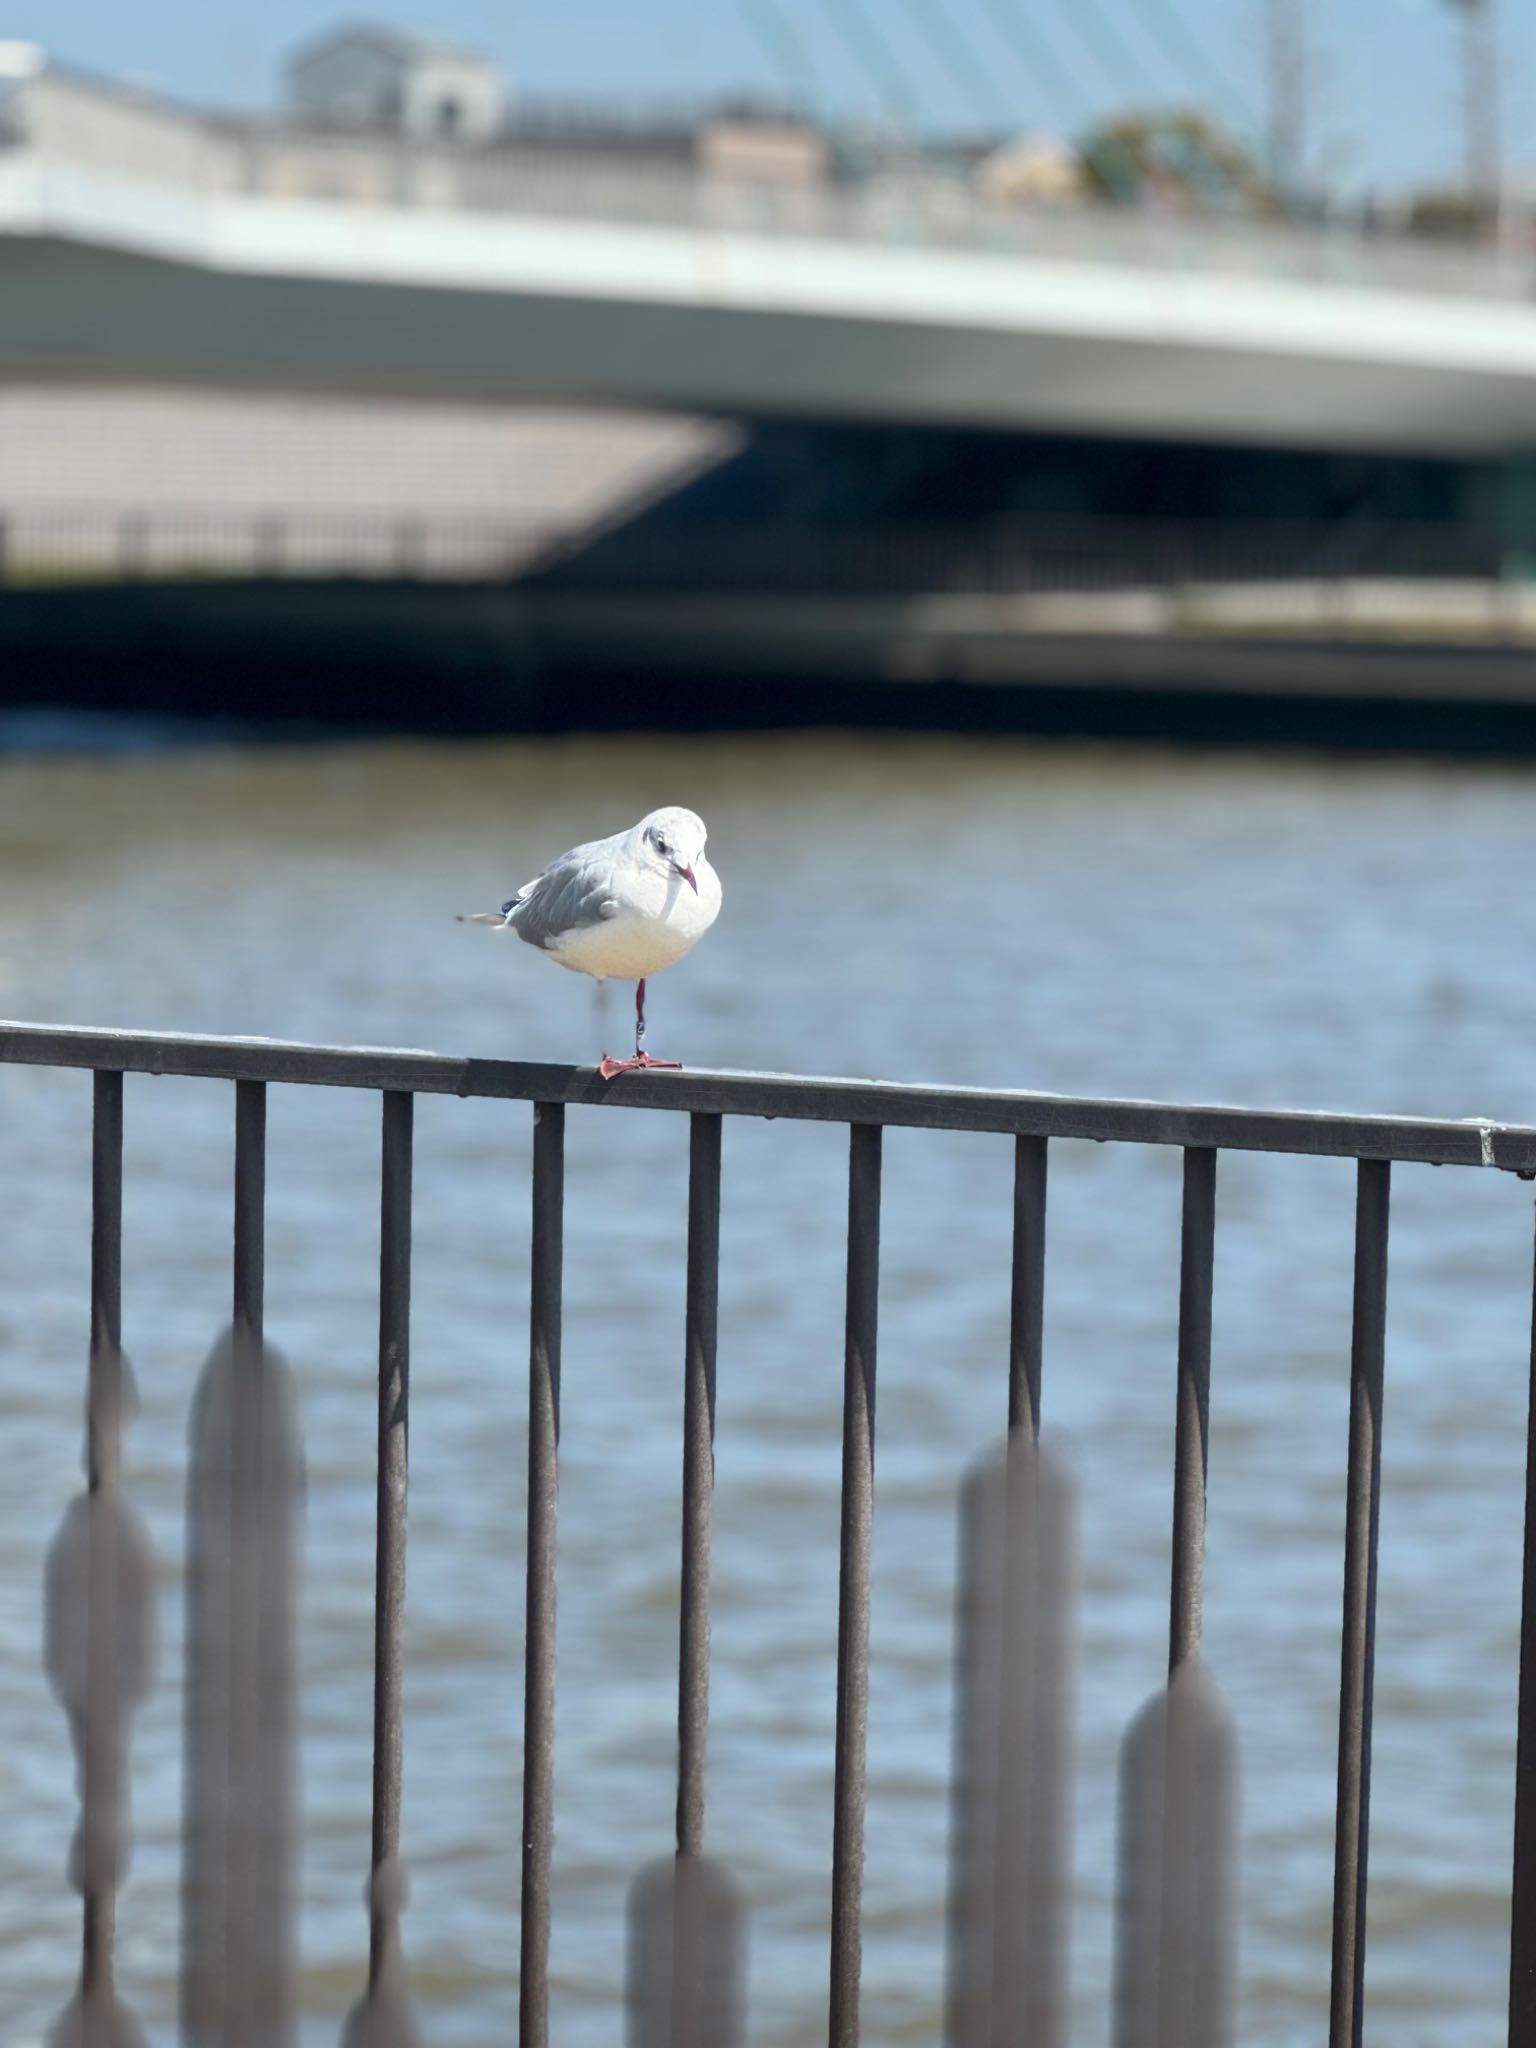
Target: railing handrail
1433 1141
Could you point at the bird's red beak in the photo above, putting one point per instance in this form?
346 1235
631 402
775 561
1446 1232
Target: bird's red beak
687 875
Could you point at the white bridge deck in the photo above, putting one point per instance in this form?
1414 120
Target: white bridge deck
102 277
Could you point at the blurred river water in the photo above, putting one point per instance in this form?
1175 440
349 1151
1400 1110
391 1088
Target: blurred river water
1269 930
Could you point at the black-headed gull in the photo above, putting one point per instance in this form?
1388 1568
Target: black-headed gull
621 908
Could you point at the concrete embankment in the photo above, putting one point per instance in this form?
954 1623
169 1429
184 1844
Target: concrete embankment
465 657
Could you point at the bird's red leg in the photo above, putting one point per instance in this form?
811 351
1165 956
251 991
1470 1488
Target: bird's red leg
610 1067
642 1057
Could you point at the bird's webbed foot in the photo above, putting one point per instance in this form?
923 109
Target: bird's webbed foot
608 1067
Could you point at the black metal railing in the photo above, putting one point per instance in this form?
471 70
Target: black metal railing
1178 1768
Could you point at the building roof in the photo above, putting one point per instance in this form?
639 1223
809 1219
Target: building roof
404 45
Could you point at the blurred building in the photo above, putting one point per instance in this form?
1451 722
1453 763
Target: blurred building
1032 171
739 149
378 77
380 118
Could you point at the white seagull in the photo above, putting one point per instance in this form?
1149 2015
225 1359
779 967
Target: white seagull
624 907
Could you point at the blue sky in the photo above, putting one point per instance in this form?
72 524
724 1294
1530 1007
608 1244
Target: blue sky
1384 74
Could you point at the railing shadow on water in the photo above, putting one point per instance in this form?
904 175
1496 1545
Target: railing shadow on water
1011 1877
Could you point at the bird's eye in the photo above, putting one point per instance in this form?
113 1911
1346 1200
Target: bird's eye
662 846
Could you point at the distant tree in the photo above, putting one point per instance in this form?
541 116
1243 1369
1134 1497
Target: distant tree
1181 157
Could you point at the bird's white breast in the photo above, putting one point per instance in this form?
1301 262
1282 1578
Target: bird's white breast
658 920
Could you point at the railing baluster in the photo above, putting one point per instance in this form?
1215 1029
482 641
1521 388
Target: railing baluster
685 1976
1176 1909
1011 1793
246 1790
685 1970
104 1468
245 1497
250 1204
1191 1441
543 1483
981 1622
698 1475
1034 1855
1174 1920
1027 1308
384 2013
1522 1947
106 1265
1367 1371
394 1453
99 1606
853 1574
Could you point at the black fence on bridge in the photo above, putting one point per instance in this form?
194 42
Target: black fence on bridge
1010 1871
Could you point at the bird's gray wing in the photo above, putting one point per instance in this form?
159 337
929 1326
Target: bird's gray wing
574 891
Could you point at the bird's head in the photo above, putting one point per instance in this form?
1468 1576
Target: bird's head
673 841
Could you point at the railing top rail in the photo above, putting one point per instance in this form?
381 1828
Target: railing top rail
1473 1141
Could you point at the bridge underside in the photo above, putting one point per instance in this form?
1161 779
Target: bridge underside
81 309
